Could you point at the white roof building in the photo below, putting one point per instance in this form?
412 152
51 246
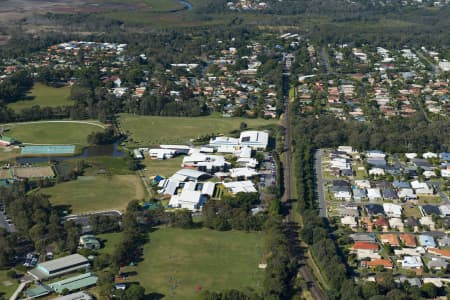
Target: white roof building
427 221
242 173
445 173
227 149
445 210
363 183
208 188
240 187
374 194
187 174
429 174
206 162
340 163
392 210
375 154
406 193
168 186
257 140
349 221
421 188
428 155
411 155
161 153
187 199
396 223
418 251
346 149
343 195
411 262
220 141
181 148
376 171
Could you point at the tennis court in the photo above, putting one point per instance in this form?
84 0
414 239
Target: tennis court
49 149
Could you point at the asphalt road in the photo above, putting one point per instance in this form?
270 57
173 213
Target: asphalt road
320 183
4 224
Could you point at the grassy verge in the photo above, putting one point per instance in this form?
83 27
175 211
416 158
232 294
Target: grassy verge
7 285
178 262
166 167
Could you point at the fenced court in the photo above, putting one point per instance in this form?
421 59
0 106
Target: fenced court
49 149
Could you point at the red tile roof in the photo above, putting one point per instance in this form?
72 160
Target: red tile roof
440 252
365 246
387 264
408 239
390 239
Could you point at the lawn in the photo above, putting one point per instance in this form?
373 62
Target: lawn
52 132
91 193
44 96
8 153
166 167
177 261
411 211
434 199
110 241
156 130
108 165
7 285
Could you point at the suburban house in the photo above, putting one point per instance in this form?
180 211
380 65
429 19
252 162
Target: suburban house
385 263
427 241
341 190
374 209
408 240
392 210
437 263
359 194
365 250
349 221
390 239
422 188
89 241
411 262
439 252
374 194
